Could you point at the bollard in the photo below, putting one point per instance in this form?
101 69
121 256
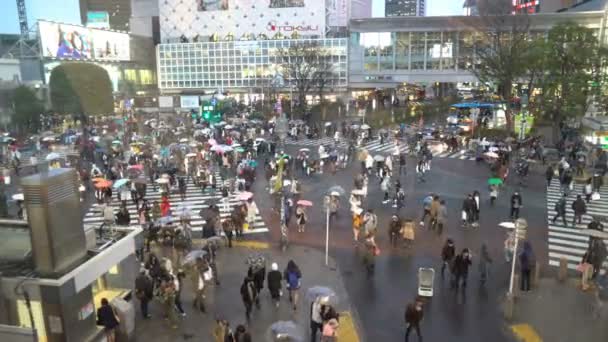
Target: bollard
536 276
562 273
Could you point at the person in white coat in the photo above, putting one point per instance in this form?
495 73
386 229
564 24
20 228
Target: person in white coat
369 164
389 165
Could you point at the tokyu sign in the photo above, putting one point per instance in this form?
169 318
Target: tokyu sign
274 27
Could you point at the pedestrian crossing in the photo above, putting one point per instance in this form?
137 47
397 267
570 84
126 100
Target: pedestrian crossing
567 241
375 146
195 200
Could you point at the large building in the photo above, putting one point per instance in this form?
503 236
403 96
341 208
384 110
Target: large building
403 8
112 14
234 45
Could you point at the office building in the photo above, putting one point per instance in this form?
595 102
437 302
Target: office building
112 14
404 8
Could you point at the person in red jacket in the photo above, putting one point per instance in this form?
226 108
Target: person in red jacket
165 207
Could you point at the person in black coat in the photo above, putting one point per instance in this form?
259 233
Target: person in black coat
107 317
460 268
144 291
123 218
274 283
549 174
580 208
249 295
413 317
447 255
560 210
516 203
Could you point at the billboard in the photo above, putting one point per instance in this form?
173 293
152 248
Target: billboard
165 101
252 18
98 19
189 101
63 41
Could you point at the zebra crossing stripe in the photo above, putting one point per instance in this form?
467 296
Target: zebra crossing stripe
568 241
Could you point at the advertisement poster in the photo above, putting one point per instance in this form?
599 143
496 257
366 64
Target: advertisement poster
65 41
165 101
189 101
98 19
286 3
212 5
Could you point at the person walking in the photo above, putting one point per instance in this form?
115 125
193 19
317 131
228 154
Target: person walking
580 208
526 262
413 317
442 216
549 173
293 276
484 264
434 212
588 190
241 334
402 161
476 208
493 194
301 218
274 280
460 269
385 187
447 255
516 203
106 316
144 291
560 210
249 295
597 182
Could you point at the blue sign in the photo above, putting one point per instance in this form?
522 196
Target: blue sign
213 101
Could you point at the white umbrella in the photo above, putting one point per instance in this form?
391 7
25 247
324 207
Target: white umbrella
53 156
365 126
48 138
358 192
190 155
162 181
304 149
18 197
508 225
328 124
228 127
595 233
183 140
378 158
491 154
335 193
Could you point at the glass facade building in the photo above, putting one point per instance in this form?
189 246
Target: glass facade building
240 64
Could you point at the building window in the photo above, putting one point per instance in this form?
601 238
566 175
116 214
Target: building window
418 53
402 50
433 50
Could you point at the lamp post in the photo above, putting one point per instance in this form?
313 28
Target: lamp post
281 129
327 203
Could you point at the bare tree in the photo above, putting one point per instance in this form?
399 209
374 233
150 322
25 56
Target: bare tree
500 48
306 67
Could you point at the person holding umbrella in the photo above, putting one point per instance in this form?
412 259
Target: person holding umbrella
301 218
274 279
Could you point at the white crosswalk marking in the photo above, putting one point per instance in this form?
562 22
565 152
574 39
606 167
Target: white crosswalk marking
567 241
195 201
375 147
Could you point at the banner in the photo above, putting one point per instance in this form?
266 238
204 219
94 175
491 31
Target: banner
165 101
189 101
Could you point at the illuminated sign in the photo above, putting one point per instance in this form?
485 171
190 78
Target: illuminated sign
98 19
273 26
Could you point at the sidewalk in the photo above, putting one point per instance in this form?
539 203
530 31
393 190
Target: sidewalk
225 300
559 312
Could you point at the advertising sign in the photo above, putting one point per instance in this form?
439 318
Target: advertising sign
98 19
212 5
165 101
189 101
65 41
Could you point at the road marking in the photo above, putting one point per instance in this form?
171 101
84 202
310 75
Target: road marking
525 333
347 331
251 244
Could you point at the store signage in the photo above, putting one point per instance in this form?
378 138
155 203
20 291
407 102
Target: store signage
273 26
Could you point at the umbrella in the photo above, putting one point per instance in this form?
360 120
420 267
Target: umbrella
183 140
120 183
286 182
228 127
325 293
508 225
192 256
18 197
365 126
53 156
327 124
183 211
491 154
305 203
98 179
285 331
212 142
494 181
162 181
260 139
244 196
358 192
334 193
221 123
336 188
240 149
304 149
378 158
136 167
595 233
116 142
103 184
140 180
48 138
165 220
190 155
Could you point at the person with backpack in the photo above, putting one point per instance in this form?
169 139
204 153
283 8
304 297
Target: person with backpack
249 295
292 276
560 210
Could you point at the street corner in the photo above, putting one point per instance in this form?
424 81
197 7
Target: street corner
348 328
525 333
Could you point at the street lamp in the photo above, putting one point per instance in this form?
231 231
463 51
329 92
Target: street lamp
327 203
281 129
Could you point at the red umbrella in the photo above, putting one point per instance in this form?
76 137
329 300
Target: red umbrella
136 167
305 203
103 184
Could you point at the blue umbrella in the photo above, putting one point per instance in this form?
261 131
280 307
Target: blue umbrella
120 182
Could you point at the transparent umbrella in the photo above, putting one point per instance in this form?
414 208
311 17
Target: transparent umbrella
327 295
285 331
336 188
192 256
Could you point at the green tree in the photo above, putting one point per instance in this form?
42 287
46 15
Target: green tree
500 46
81 88
573 62
27 109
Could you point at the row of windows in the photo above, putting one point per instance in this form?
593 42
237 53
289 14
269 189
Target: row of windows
341 82
329 42
233 61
